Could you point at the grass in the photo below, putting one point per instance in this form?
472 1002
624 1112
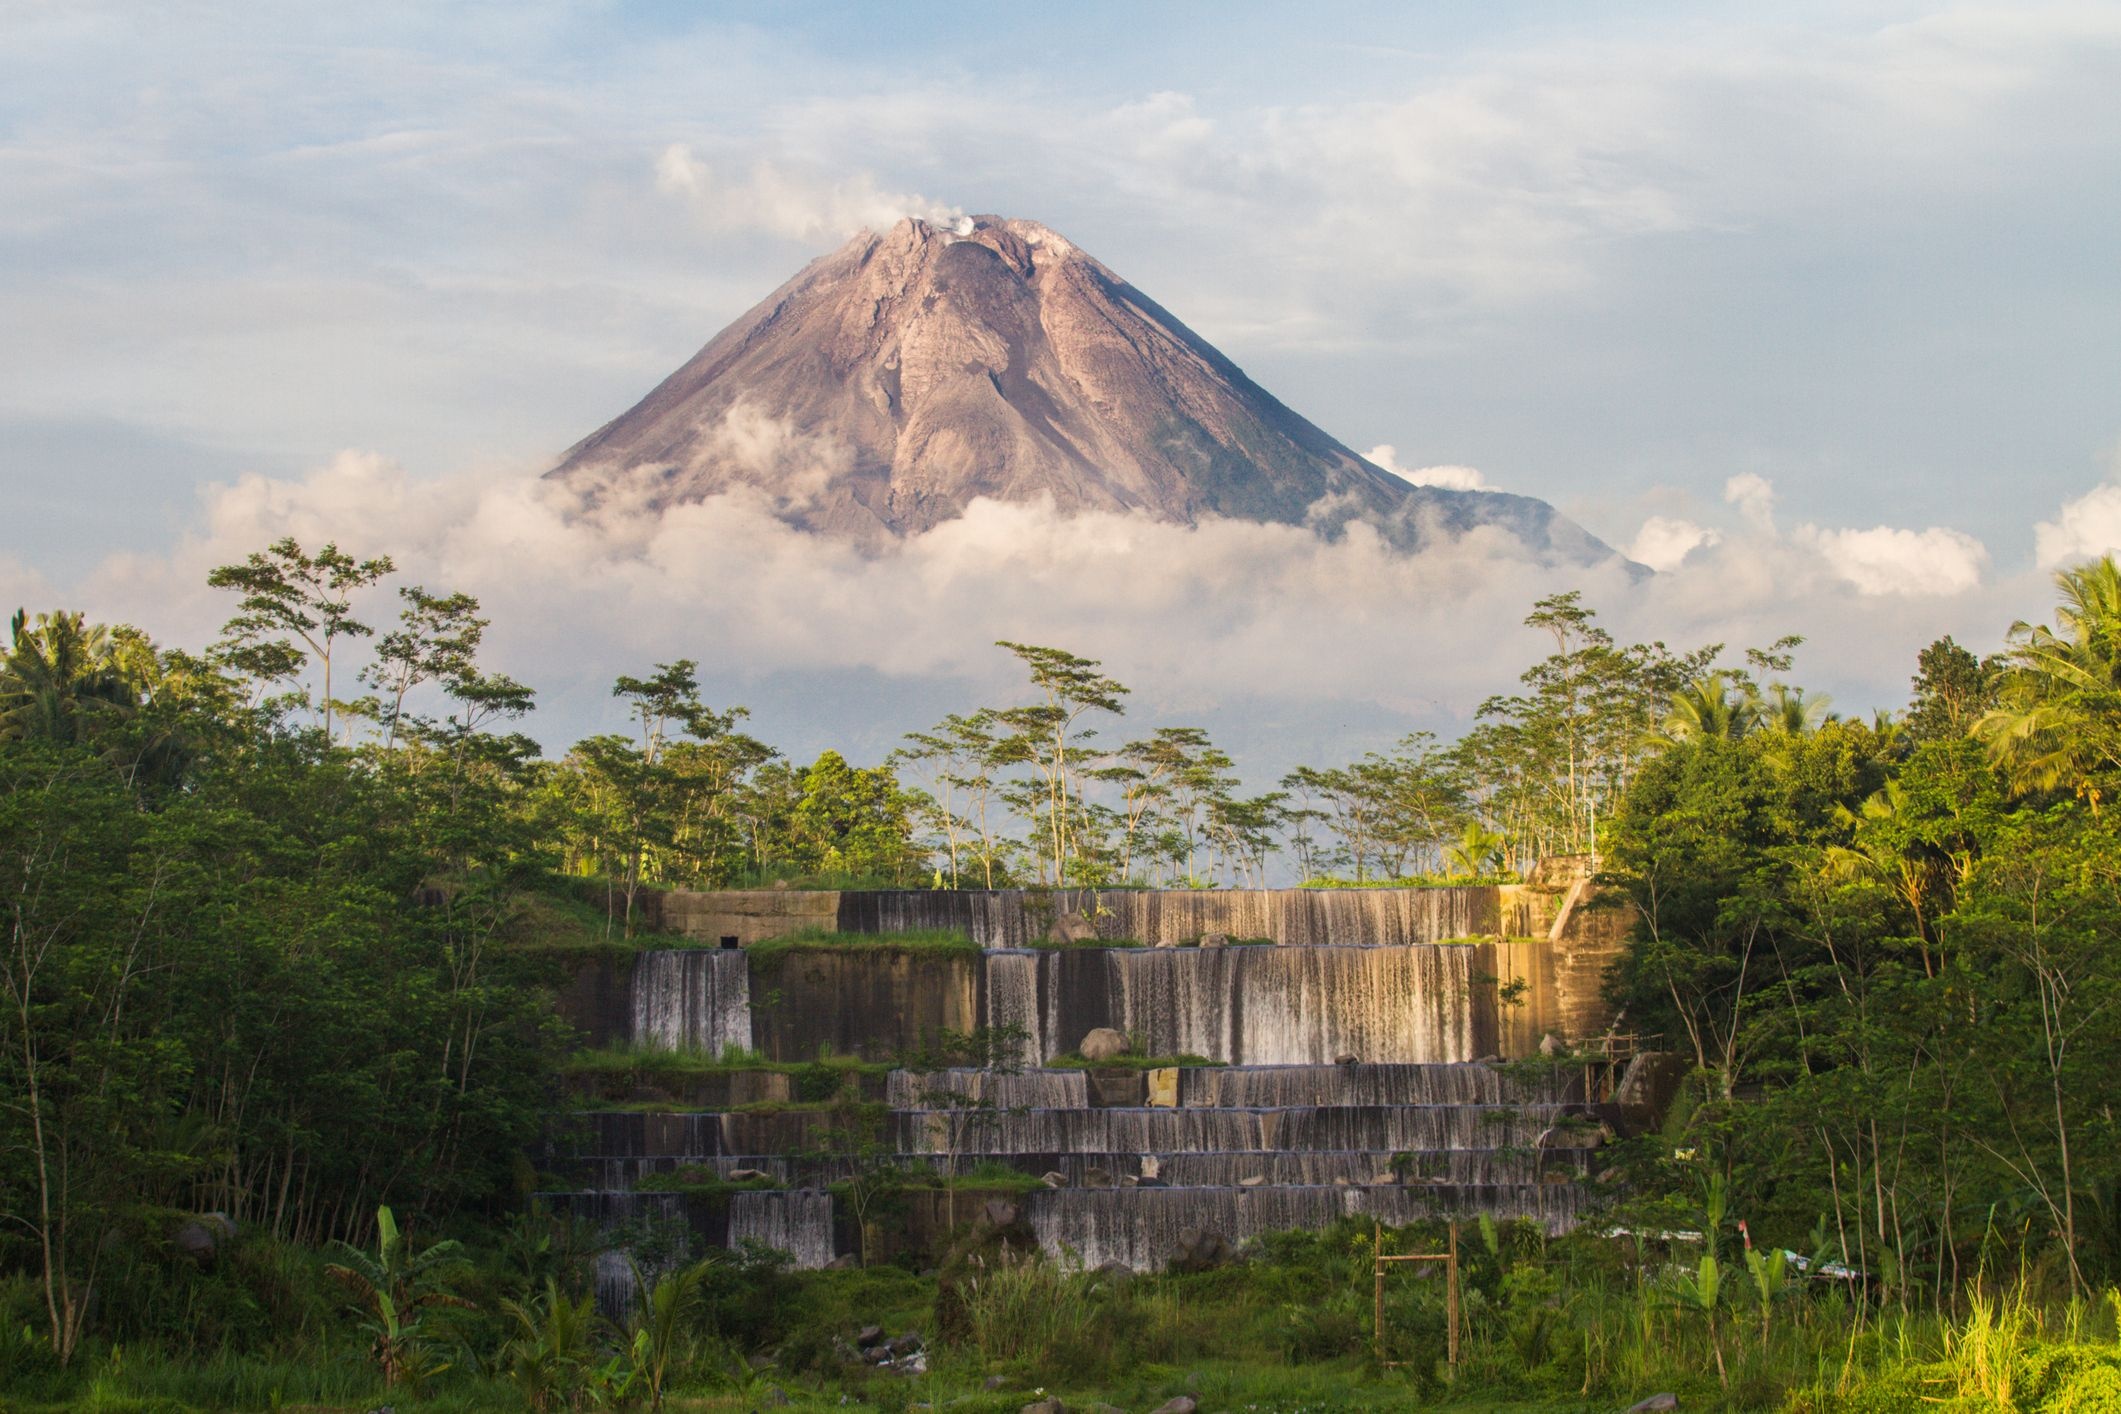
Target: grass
566 924
1049 944
1073 1061
767 955
1578 1323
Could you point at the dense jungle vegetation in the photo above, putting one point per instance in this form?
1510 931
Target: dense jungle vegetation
283 913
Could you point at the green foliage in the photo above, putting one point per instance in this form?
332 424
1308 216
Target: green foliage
394 1289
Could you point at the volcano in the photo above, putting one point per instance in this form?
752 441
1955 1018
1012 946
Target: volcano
905 375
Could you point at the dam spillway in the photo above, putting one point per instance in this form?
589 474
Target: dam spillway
1308 1081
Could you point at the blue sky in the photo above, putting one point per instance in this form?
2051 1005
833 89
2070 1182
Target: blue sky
1766 277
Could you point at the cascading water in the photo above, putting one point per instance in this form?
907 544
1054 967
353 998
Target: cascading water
1143 1227
692 999
1385 1128
1275 1006
1283 1085
1283 1135
797 1222
1008 918
1009 1004
1001 1090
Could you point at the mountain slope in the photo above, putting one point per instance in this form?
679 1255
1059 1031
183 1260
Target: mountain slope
901 377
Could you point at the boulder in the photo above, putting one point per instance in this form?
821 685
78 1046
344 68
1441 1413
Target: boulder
203 1237
1215 940
1072 928
1165 943
1096 1178
1201 1250
904 1344
748 1175
1048 1405
1102 1044
1183 1404
1347 1058
992 1383
845 1262
1116 1273
1252 1180
1551 1045
1655 1404
1054 1179
868 1336
1003 1212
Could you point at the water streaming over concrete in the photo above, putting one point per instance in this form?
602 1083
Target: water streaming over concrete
1001 1090
692 999
798 1222
1143 1227
1282 1137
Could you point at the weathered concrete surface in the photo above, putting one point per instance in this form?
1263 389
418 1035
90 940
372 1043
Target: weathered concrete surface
1015 918
746 915
869 1004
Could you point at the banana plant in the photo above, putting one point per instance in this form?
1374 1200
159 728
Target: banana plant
1700 1291
394 1289
1771 1278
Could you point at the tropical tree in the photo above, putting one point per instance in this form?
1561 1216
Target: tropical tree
64 679
394 1288
2057 722
1716 706
290 596
1047 736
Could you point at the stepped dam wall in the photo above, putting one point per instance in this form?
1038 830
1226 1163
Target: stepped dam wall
1382 975
1242 1005
1016 918
1329 1054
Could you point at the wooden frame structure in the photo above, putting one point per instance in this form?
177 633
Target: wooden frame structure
1380 1260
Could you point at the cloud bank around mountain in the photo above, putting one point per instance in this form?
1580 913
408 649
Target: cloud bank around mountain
1196 618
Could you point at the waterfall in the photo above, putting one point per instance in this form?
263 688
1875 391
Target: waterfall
1275 1006
1031 1089
1008 918
1142 1227
1281 1085
1378 1128
798 1223
615 1286
692 999
1010 1003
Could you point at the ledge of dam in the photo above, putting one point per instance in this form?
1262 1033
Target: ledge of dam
1338 1035
1384 975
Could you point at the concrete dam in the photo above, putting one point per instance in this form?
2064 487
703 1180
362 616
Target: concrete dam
1291 1057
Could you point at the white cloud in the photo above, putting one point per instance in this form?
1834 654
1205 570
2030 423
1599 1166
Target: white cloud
800 206
1330 630
1888 560
1664 542
2084 529
1452 478
1754 496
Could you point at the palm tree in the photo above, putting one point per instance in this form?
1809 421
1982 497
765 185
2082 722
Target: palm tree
552 1356
394 1289
1713 707
2058 720
1789 711
1477 851
62 676
661 1313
